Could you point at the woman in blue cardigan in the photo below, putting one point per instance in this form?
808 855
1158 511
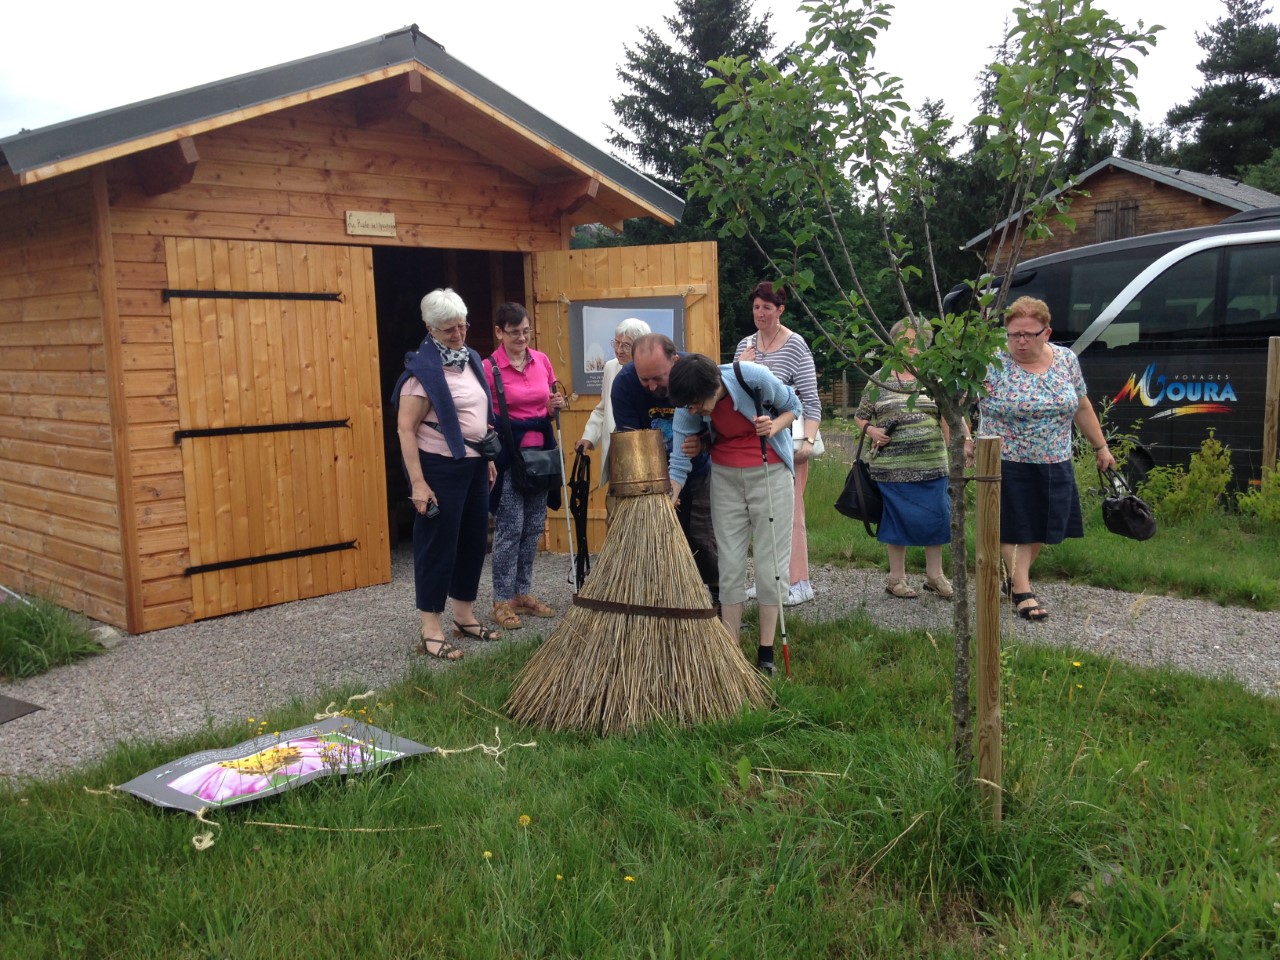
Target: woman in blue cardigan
443 411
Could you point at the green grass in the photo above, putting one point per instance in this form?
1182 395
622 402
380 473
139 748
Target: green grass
39 635
1140 821
1227 558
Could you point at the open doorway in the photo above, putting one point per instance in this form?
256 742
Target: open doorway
402 276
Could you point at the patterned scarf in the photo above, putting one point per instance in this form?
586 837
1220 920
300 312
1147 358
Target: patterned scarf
453 358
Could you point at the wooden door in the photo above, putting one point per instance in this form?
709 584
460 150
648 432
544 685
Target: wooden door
276 354
560 277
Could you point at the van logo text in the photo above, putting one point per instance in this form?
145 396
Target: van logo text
1208 394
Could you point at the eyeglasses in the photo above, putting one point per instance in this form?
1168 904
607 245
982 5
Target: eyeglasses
622 346
1024 337
522 334
456 328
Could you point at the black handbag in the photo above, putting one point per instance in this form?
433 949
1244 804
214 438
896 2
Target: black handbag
488 446
533 469
1125 513
860 499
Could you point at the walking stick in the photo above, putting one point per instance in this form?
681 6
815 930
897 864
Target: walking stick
777 577
558 387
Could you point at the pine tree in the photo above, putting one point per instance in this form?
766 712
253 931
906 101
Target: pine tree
1235 117
666 109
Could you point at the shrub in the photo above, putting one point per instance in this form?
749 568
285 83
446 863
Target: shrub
1263 503
1177 494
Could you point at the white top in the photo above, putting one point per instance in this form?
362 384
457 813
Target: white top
600 424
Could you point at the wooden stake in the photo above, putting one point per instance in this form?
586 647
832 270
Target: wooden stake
990 754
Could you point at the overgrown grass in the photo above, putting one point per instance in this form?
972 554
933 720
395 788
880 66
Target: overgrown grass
38 635
1140 821
1227 557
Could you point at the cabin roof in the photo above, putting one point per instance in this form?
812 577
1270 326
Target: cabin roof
1223 190
87 141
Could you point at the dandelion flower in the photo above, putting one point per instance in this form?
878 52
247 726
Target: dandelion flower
524 820
629 879
251 720
488 854
1076 663
559 876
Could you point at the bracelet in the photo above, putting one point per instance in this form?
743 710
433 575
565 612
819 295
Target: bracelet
1099 449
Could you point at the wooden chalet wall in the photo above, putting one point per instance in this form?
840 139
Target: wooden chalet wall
60 534
1159 207
289 177
688 270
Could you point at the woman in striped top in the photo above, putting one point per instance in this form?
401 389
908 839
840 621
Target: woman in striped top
788 358
909 462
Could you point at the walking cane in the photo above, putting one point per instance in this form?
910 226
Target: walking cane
777 577
558 387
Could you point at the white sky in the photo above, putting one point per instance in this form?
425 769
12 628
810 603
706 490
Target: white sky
64 60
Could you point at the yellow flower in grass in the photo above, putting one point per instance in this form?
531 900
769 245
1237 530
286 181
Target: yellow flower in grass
488 854
1076 663
524 820
559 876
628 879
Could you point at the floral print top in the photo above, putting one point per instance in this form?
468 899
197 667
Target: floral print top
1032 413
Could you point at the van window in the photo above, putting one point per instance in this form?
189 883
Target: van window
1177 305
1253 291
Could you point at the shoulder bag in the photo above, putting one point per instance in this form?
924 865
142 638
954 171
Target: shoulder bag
1125 513
533 469
860 499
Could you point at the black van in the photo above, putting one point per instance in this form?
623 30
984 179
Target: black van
1171 329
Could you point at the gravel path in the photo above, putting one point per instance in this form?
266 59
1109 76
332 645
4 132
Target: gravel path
155 685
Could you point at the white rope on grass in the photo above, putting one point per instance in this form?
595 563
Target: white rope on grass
329 712
496 751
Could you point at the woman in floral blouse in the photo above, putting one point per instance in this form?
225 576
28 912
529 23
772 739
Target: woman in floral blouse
1035 392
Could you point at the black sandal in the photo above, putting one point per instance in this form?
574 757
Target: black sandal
442 652
475 631
1035 613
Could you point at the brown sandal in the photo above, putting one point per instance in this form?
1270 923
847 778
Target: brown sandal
475 631
900 589
533 606
505 616
444 651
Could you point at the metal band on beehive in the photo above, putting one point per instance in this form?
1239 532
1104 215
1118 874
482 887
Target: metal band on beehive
638 463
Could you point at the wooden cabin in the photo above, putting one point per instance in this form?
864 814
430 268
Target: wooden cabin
205 298
1119 198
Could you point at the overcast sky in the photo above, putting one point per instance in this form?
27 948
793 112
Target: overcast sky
61 60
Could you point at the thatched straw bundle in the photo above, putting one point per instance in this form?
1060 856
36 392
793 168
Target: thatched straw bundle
641 641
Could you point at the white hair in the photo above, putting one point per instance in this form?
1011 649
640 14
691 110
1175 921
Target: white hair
440 308
632 328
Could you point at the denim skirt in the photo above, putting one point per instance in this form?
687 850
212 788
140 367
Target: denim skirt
1039 502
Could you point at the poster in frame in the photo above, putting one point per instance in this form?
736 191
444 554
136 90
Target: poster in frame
591 326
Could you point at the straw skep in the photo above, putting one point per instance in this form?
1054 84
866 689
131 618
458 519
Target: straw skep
641 642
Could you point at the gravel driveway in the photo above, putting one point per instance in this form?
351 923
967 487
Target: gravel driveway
152 686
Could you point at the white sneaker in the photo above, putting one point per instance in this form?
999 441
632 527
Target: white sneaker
751 592
797 594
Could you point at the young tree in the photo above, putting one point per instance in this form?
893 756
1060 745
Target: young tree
790 144
1234 118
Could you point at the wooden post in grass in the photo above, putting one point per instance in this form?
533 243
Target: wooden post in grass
990 746
1271 406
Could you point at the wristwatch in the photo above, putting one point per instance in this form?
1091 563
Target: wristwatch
808 440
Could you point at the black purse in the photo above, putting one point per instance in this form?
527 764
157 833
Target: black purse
860 499
533 469
1125 513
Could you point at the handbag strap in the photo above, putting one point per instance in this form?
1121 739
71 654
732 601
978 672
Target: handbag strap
1115 482
502 405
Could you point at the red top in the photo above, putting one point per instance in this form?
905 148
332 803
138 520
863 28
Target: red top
737 443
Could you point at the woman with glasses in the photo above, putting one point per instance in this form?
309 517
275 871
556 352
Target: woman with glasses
521 517
442 412
600 424
1035 392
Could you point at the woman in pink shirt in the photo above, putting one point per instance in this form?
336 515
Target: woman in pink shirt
527 381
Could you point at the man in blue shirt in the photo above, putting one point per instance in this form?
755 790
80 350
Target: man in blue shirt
640 402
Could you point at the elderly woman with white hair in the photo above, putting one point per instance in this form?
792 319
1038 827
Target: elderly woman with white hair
443 414
909 461
600 424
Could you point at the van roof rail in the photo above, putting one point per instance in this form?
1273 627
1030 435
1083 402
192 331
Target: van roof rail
1249 216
